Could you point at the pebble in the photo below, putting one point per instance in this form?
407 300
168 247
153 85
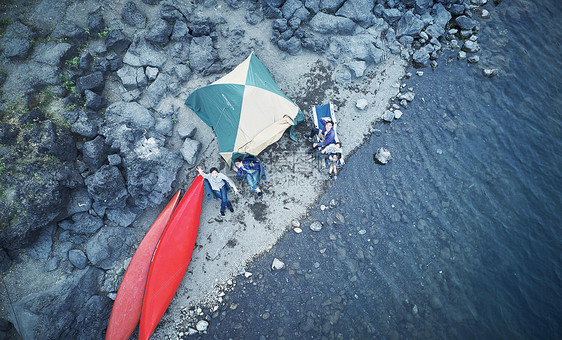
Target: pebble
296 223
277 264
362 232
419 73
340 218
323 207
316 265
362 104
489 72
397 114
248 274
316 226
202 325
415 309
297 230
265 315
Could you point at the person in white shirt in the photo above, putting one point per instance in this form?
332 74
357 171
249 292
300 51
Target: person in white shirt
219 188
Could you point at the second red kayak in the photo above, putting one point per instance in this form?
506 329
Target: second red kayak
171 258
126 310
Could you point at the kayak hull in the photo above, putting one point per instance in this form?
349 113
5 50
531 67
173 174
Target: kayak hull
171 258
126 311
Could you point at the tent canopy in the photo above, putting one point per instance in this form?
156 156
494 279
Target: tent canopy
246 109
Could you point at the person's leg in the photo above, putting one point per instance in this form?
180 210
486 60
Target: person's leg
225 203
252 179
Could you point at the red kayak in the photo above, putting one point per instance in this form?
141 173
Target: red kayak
126 310
171 258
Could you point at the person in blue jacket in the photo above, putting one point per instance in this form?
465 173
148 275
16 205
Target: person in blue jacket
251 169
219 184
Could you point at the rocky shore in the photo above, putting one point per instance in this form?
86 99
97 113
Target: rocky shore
95 138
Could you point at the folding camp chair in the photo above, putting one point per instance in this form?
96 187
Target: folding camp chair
320 112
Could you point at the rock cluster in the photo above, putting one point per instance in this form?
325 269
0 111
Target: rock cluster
73 180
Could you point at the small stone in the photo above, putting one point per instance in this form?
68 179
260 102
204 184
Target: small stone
296 223
461 55
415 309
202 325
419 73
265 315
316 226
362 232
382 155
485 14
316 265
489 72
247 274
340 218
397 114
362 104
323 207
277 264
473 59
297 230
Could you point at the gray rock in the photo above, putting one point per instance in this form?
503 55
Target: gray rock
88 323
360 11
315 43
107 187
315 226
164 126
330 6
489 72
461 55
277 264
108 246
141 54
189 150
151 73
15 48
465 23
117 41
180 32
202 54
157 90
397 114
52 53
52 264
408 96
359 47
357 68
121 217
186 129
421 58
128 76
327 23
409 24
87 124
80 201
292 46
96 24
172 10
95 153
42 243
62 302
18 30
471 46
84 223
361 104
132 15
391 15
178 76
388 116
383 155
114 159
159 32
131 114
94 82
202 325
423 6
77 258
94 101
290 7
69 32
473 59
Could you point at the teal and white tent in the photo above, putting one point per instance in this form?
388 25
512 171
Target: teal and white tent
246 109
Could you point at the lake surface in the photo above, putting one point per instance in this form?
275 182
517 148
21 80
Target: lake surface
459 235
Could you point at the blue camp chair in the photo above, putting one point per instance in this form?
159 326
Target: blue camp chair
326 111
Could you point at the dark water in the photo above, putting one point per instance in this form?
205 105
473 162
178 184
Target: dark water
459 236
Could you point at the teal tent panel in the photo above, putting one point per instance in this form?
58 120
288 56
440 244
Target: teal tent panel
259 76
219 106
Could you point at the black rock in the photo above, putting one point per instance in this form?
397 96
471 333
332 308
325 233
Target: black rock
109 245
117 41
132 15
15 48
96 24
159 32
87 124
94 82
32 116
94 101
8 133
77 258
107 187
85 62
70 32
465 23
95 153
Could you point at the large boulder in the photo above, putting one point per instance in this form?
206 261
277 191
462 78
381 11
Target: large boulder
109 245
360 11
142 53
117 41
107 187
159 32
409 24
202 54
63 311
130 114
15 48
359 47
95 152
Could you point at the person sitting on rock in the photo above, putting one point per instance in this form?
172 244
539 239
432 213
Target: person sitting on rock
219 184
252 170
329 150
